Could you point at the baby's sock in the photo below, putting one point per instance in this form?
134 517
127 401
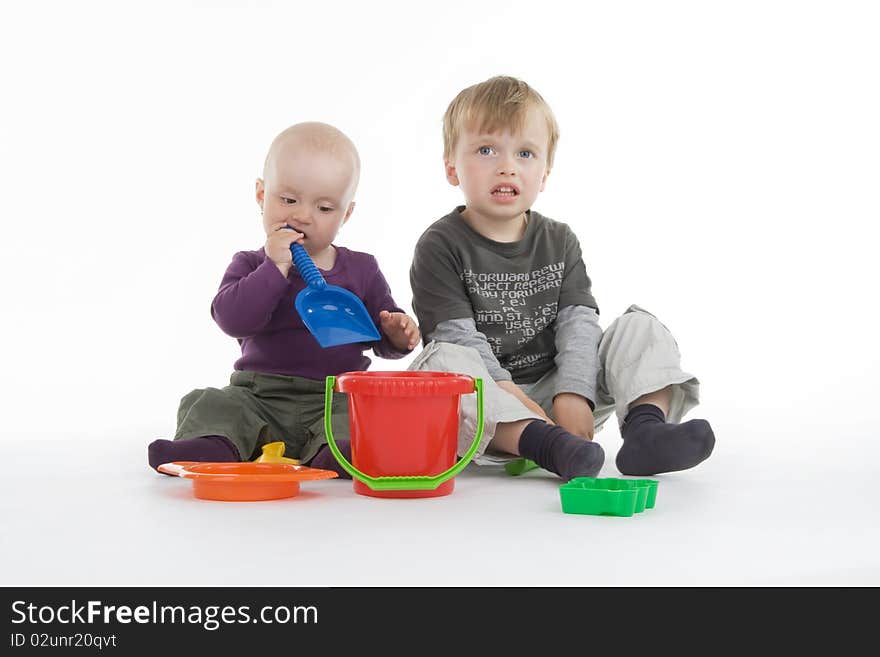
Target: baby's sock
561 452
651 446
215 449
326 461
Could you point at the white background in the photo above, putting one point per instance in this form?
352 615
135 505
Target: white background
718 161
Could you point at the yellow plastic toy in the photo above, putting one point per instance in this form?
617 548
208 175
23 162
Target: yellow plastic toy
274 453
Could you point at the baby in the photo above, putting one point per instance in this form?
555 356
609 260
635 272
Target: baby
276 392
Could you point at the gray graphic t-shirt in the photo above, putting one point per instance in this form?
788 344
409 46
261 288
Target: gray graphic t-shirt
513 291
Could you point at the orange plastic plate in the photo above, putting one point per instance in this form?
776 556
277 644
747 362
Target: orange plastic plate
244 482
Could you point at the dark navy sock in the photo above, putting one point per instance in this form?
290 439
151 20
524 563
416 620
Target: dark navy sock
651 446
326 461
215 449
560 452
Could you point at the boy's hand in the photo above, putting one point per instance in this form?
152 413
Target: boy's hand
279 237
573 413
527 401
401 329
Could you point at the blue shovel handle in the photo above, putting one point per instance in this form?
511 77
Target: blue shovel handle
306 267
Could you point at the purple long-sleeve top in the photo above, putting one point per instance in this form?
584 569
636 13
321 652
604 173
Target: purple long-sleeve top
255 304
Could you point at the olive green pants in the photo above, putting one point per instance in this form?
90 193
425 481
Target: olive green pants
255 409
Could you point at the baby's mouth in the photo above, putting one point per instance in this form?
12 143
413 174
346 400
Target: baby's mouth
508 191
298 230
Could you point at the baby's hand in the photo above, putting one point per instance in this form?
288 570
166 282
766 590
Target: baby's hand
401 329
278 240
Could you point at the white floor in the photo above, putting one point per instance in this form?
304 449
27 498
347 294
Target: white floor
92 513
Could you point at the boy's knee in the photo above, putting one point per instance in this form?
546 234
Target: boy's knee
636 318
638 314
636 331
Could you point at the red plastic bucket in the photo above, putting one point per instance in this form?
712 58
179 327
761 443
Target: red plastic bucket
404 430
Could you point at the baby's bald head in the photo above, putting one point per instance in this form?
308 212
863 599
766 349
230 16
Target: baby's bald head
314 138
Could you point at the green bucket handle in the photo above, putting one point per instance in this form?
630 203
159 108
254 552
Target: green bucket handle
412 482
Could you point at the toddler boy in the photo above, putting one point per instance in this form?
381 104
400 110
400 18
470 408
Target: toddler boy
501 292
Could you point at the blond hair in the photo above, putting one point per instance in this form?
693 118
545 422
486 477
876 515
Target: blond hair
499 103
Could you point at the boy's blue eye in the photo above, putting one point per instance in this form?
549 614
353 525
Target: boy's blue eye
485 150
526 154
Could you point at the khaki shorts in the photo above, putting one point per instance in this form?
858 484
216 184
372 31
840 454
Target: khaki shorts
637 355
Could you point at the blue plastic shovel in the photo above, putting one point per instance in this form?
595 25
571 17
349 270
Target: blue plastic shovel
332 314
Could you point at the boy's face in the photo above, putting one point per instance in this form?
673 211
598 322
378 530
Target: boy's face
501 173
310 191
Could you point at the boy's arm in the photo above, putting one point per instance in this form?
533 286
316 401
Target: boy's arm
248 296
435 276
577 330
464 332
441 303
577 335
577 352
444 309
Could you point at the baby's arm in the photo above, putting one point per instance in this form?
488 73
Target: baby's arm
400 328
248 296
399 331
